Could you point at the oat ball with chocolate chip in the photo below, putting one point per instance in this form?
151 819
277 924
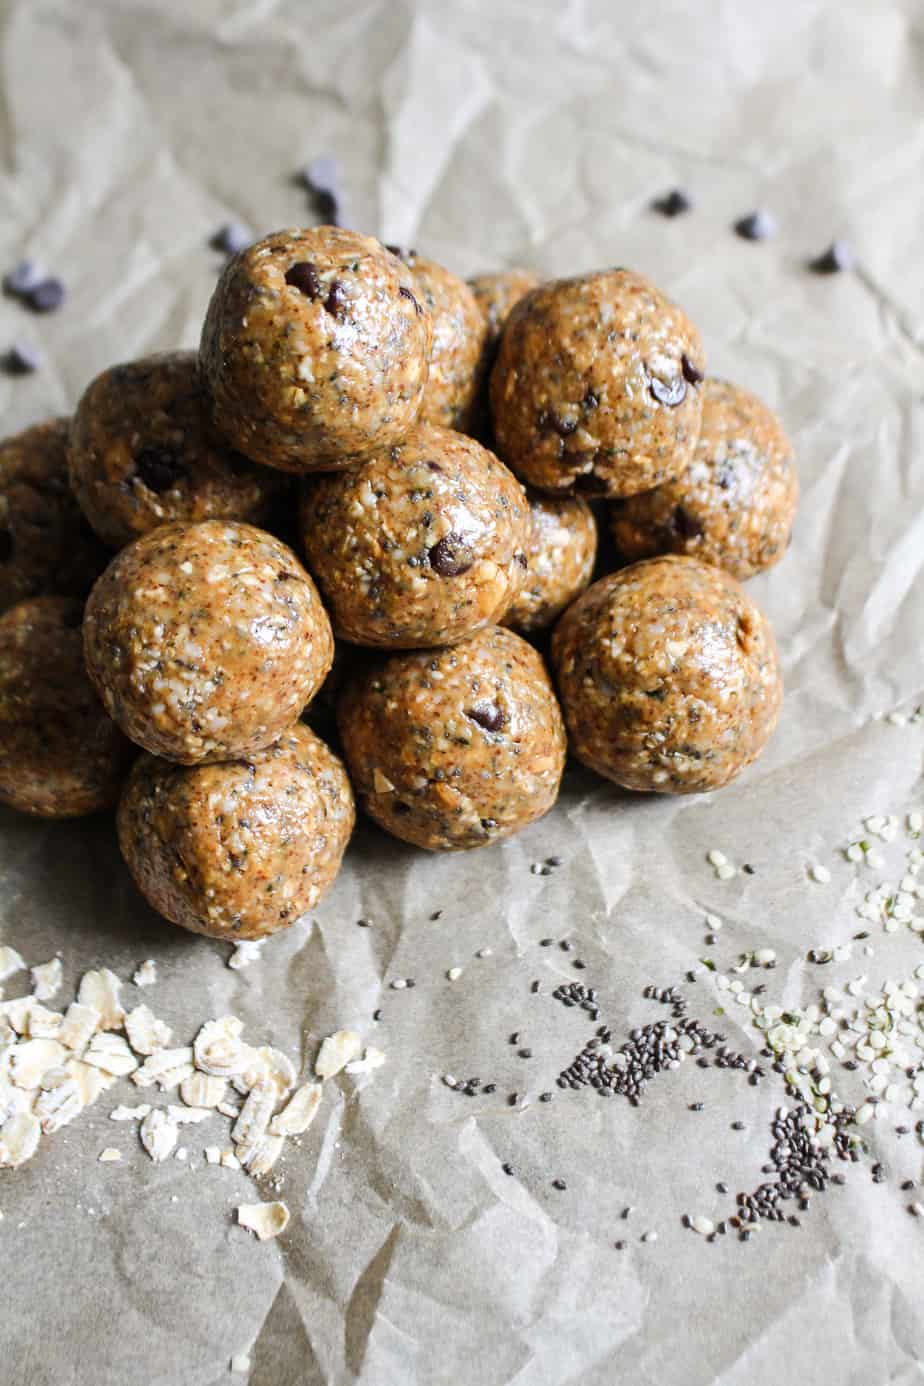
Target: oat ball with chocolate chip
206 641
241 849
498 294
735 504
61 755
455 748
144 452
669 677
597 386
421 545
460 332
46 545
315 349
560 560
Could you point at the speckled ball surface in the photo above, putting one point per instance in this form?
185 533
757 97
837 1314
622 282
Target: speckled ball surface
597 386
206 641
455 748
46 544
315 349
460 332
420 545
144 452
241 849
498 294
735 504
61 755
560 560
669 677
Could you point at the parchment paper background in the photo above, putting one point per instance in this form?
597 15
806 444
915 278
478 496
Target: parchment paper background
491 133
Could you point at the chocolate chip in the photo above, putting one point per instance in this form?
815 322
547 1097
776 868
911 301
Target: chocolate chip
756 226
336 300
22 278
669 392
521 559
304 277
46 296
451 556
690 373
158 468
406 293
487 715
321 177
590 400
837 257
6 545
232 238
686 525
673 203
21 359
549 419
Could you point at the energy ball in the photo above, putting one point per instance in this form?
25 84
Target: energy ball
735 504
206 641
422 544
455 748
497 294
597 386
560 554
60 753
669 677
144 452
315 349
241 849
460 332
46 545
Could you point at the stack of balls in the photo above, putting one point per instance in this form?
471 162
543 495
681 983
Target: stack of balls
353 401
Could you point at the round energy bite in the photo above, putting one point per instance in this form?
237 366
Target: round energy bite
206 641
241 849
669 677
61 755
560 556
422 544
735 504
455 748
46 545
460 332
596 385
497 295
144 452
315 349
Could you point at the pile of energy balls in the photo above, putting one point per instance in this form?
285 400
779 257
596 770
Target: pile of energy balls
363 407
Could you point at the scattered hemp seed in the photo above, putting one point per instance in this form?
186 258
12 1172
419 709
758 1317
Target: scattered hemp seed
454 974
821 874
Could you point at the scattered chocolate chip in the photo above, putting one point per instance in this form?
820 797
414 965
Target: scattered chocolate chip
304 277
687 525
336 300
232 238
406 293
836 258
321 177
669 392
451 556
673 203
487 715
22 278
158 468
6 546
690 374
21 359
508 1168
756 226
748 869
46 296
559 1184
404 253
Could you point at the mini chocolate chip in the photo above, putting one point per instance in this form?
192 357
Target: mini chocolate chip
673 203
669 392
591 400
158 468
521 559
232 238
451 556
756 226
406 293
46 296
690 373
403 252
304 277
21 359
6 545
549 419
487 715
336 300
22 278
837 257
685 524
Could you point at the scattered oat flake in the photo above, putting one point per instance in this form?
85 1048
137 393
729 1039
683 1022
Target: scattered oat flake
43 1023
278 1069
165 1067
130 1113
299 1112
251 1125
249 950
454 974
229 1160
146 974
145 1032
820 873
265 1220
112 1054
90 1081
19 1138
109 1156
79 1026
336 1051
46 979
184 1116
212 1154
158 1134
240 1362
373 1058
203 1090
265 1154
58 1105
100 989
31 1059
218 1048
10 962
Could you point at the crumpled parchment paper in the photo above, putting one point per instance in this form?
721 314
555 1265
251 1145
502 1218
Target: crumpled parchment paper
491 134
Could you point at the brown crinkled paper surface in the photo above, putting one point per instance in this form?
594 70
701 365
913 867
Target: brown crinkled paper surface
491 134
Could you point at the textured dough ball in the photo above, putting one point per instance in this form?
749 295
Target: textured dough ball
459 335
669 677
421 545
496 296
560 557
315 349
206 641
735 504
61 755
46 545
596 385
241 849
455 748
144 452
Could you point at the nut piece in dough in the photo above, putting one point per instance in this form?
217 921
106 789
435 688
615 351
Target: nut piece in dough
669 677
315 349
60 754
734 505
242 849
422 544
46 545
144 452
206 641
560 557
458 747
597 386
460 332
